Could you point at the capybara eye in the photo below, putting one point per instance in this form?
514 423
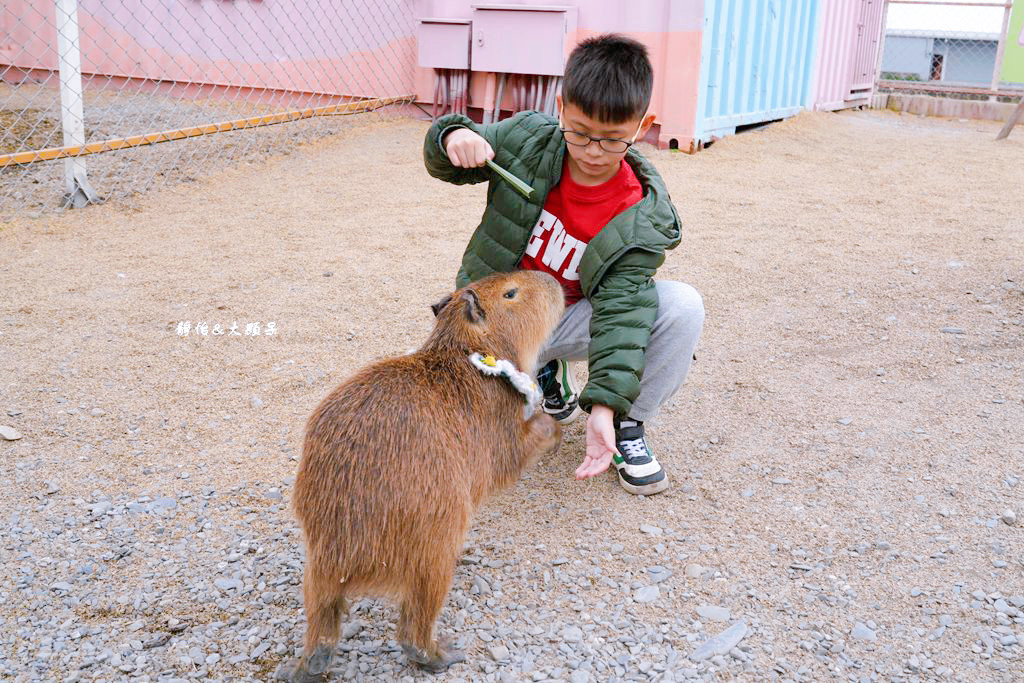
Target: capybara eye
511 294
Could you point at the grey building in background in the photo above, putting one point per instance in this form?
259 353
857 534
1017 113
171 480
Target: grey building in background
962 58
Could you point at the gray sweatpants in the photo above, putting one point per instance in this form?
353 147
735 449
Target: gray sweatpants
669 351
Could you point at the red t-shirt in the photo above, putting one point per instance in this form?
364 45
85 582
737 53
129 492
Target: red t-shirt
572 215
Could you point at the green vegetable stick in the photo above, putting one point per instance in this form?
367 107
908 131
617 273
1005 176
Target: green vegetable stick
520 186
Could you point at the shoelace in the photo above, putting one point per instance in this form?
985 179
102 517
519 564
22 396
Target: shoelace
633 448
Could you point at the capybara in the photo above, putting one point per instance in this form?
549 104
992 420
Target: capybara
397 458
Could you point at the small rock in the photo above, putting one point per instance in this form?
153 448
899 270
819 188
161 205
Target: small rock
212 659
559 561
862 632
781 481
256 402
61 586
659 573
572 634
722 643
953 330
158 640
258 651
101 508
97 412
228 584
580 676
498 653
693 570
713 613
9 433
351 629
845 420
647 594
274 494
651 529
1009 517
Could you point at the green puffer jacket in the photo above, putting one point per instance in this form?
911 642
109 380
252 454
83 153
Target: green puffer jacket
618 264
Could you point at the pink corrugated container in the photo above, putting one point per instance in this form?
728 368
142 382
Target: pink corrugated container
848 35
300 46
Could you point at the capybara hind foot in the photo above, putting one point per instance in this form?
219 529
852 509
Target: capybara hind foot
444 658
312 669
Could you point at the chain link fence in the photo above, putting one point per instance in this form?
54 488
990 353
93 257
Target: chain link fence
89 88
949 49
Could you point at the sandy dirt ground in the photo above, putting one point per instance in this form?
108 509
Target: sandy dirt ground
842 454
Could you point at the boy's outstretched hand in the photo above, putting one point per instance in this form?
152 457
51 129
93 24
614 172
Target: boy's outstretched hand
466 149
600 442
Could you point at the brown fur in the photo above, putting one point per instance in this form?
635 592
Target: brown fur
397 458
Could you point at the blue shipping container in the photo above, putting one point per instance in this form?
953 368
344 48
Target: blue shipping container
757 60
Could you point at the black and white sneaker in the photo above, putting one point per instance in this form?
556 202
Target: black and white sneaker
561 397
639 471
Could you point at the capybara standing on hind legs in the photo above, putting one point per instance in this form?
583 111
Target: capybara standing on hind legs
398 457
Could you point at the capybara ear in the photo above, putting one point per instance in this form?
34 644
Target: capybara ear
474 311
439 306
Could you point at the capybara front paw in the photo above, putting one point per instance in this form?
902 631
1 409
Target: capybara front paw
444 658
546 433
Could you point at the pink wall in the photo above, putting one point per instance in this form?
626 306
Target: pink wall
303 45
366 49
671 30
848 33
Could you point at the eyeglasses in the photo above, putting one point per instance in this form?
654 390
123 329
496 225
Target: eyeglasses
612 145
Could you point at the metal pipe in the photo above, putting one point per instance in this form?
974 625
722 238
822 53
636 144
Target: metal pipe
549 102
433 103
497 98
444 91
455 91
72 117
464 92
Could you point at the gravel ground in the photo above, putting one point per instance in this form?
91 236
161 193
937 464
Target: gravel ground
30 119
846 455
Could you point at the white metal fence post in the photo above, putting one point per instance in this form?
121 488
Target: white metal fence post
69 56
1001 50
212 80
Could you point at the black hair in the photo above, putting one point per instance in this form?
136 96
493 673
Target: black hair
609 77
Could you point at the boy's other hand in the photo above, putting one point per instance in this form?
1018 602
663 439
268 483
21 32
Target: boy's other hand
600 442
466 149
